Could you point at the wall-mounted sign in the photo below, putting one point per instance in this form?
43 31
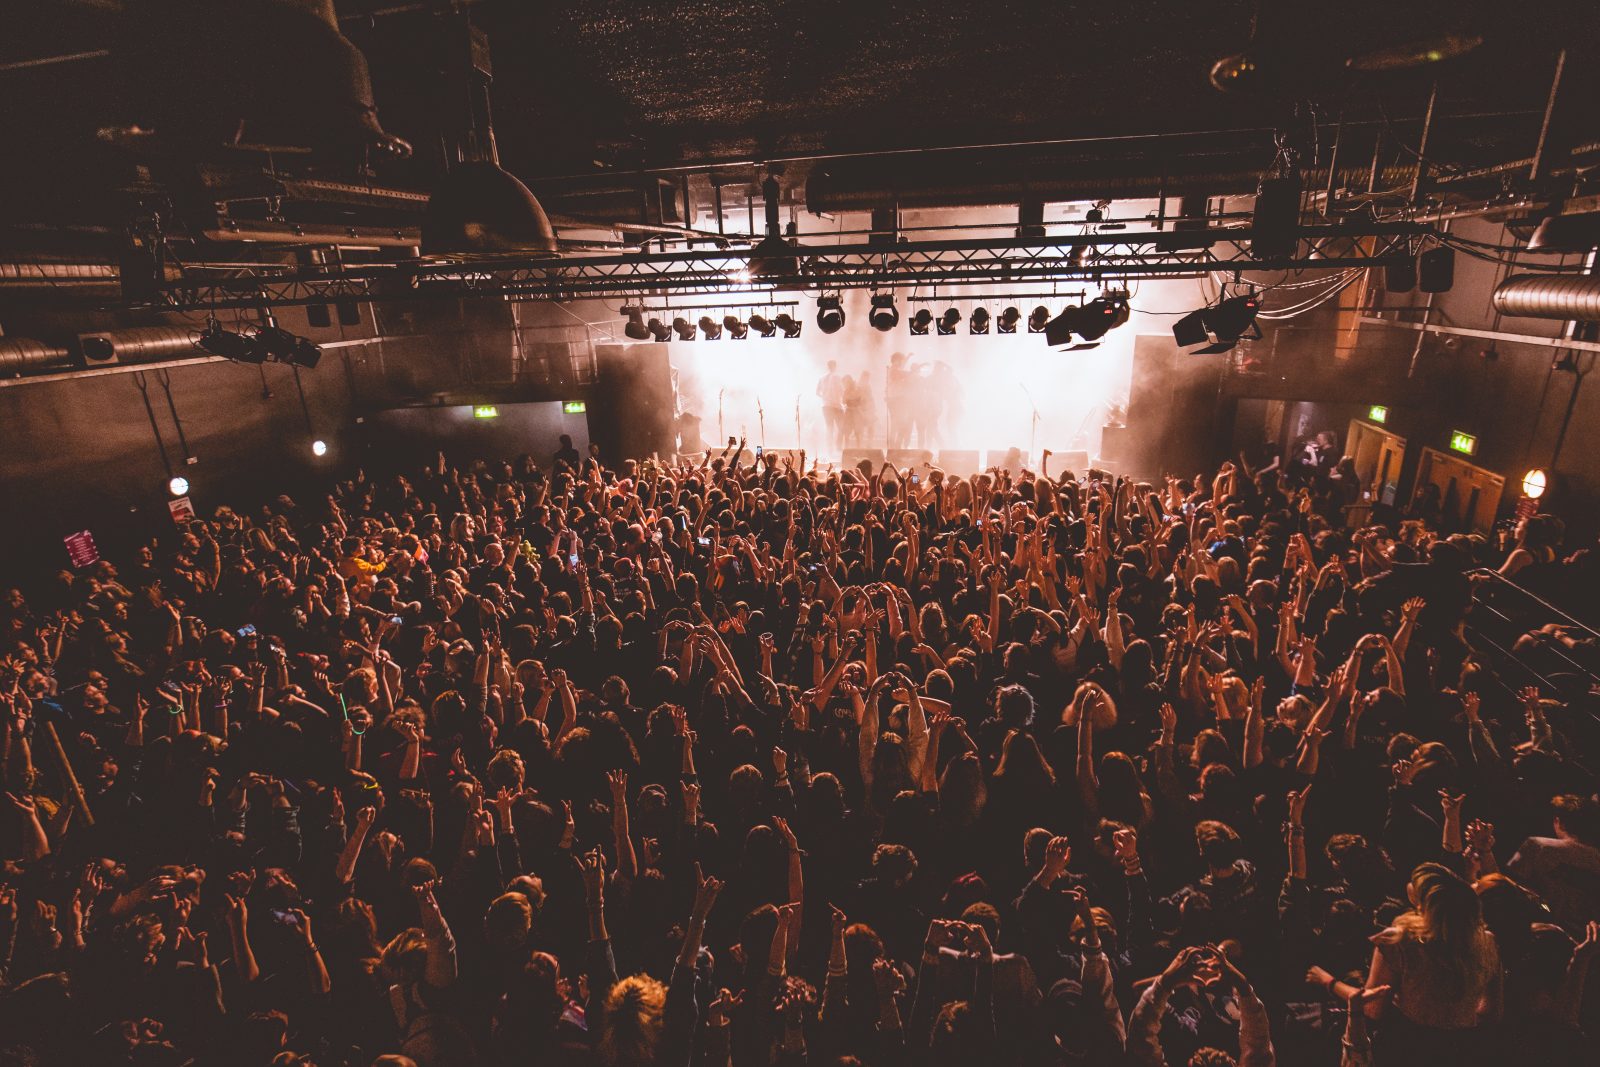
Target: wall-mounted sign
1463 442
182 510
485 411
574 407
1378 413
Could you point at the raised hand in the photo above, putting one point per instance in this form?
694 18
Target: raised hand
1297 806
1057 853
705 895
618 781
594 876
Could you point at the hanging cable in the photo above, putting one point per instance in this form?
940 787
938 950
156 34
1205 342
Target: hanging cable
166 386
149 409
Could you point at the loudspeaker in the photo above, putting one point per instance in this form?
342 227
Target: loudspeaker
630 415
1436 270
852 457
317 316
1400 277
1274 231
960 463
1076 460
909 457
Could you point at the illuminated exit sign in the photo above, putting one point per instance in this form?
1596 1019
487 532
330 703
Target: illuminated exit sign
1378 413
485 411
1463 442
574 407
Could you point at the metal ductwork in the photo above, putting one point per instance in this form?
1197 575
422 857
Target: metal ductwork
843 187
139 344
273 73
24 355
1550 296
52 274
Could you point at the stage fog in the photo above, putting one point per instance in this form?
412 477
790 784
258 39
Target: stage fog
986 392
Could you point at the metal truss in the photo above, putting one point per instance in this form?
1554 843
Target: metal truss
1096 257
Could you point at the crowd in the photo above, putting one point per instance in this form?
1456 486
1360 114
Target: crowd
718 764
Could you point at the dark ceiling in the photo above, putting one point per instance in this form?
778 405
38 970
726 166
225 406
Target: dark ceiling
586 86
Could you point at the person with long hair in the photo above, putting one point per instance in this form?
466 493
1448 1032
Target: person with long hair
1443 969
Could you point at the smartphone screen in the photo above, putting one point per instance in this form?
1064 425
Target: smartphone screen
704 541
247 630
572 561
915 479
758 451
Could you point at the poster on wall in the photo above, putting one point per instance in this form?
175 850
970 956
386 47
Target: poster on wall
81 549
182 510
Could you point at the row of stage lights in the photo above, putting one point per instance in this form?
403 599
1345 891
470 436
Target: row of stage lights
1218 327
265 342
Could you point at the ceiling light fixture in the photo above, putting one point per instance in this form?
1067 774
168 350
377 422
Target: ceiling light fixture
979 321
684 328
1038 319
830 314
659 330
762 325
711 328
949 321
1007 321
737 331
884 316
920 322
789 325
636 329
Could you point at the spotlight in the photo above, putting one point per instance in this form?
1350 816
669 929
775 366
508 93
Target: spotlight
636 329
979 322
830 314
737 330
711 328
1007 322
305 353
884 316
659 330
275 342
921 321
1218 327
1038 318
789 326
178 486
949 321
230 345
684 328
319 447
1534 483
761 325
1089 322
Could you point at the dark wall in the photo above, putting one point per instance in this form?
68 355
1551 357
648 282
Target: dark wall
82 454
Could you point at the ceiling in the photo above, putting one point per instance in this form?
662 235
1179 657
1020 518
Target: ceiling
587 88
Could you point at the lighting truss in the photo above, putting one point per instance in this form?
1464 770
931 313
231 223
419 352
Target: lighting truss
1117 256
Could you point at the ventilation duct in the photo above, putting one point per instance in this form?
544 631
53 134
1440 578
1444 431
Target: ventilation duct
140 344
1550 296
23 355
260 73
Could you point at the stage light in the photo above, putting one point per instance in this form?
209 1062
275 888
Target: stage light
760 324
920 322
305 353
979 322
659 330
1088 323
711 328
178 486
319 447
684 328
884 316
948 322
737 330
1007 322
830 314
1533 483
230 345
1038 319
1218 327
789 325
636 329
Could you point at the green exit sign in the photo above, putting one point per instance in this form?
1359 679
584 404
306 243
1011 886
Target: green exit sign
1463 442
1378 413
574 407
485 411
